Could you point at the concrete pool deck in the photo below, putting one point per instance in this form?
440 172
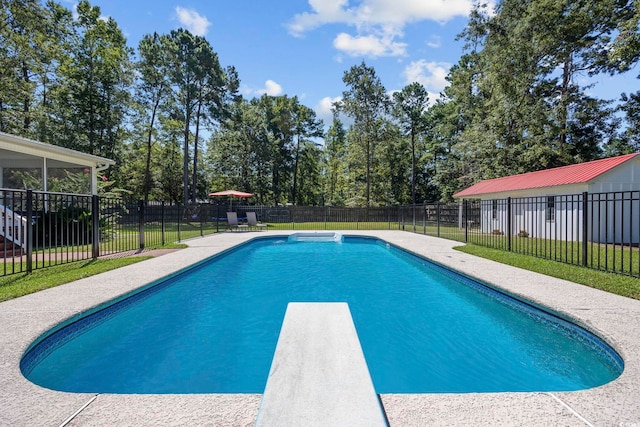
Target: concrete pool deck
614 318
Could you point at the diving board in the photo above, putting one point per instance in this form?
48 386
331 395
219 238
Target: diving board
319 376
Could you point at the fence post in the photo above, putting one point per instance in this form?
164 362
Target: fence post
179 221
29 231
200 214
389 217
293 221
357 219
585 230
141 222
162 224
324 211
509 224
217 218
95 226
438 217
413 209
466 220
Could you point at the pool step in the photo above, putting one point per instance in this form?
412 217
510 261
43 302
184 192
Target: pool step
316 236
319 376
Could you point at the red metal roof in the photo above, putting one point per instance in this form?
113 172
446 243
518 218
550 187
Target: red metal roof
573 174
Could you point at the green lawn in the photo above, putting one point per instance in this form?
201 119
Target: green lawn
21 284
608 257
615 283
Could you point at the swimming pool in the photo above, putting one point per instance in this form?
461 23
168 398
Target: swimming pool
423 328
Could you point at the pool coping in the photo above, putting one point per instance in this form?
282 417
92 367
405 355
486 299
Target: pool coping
614 318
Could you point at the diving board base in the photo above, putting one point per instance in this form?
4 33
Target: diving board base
319 376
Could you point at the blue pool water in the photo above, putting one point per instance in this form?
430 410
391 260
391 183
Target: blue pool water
423 328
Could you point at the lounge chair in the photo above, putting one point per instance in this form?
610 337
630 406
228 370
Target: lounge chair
232 221
253 222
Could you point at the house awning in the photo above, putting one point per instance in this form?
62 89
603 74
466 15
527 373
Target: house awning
18 152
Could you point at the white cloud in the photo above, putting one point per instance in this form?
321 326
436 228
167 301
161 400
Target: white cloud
324 108
377 13
324 111
432 75
434 42
370 45
323 12
271 88
246 90
378 23
193 21
433 97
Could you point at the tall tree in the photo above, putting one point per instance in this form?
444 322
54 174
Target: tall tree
33 41
198 83
366 102
93 94
525 99
18 47
410 108
169 164
394 167
335 169
306 126
153 89
210 86
181 46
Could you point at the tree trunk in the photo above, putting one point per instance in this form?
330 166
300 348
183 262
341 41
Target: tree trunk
185 162
194 189
147 169
368 154
295 173
27 119
564 101
413 165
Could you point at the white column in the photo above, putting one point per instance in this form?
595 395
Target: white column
44 174
94 180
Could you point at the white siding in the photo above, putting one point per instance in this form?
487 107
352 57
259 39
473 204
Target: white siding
615 218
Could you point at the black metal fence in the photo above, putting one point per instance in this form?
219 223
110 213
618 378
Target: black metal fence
595 230
325 217
42 229
600 231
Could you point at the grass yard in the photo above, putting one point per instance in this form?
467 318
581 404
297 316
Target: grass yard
615 283
619 258
21 284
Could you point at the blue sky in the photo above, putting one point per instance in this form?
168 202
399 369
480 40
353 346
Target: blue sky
304 47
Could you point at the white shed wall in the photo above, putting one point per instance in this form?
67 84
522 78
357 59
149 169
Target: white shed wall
613 217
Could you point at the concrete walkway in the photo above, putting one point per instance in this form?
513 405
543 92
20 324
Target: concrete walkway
615 319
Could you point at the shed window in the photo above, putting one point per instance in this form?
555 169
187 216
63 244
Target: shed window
494 209
550 213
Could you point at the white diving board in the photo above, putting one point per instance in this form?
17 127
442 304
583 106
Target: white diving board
319 376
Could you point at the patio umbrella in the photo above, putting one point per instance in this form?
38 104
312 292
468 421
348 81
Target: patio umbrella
231 194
